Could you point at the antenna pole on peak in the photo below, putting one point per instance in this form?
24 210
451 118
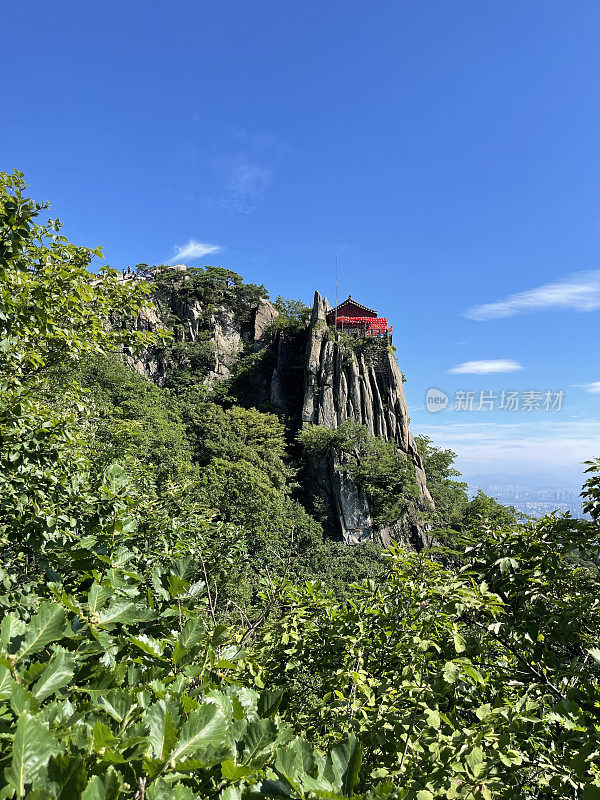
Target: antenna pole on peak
336 290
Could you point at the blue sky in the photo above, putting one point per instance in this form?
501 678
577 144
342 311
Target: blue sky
448 151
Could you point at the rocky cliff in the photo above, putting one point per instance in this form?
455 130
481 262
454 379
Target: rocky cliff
306 376
220 331
365 387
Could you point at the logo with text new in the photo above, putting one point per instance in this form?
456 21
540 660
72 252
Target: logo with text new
436 400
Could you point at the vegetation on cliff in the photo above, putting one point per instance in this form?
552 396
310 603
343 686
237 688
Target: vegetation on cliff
176 625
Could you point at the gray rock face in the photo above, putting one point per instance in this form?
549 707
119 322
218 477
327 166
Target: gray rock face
351 505
226 337
367 389
285 356
227 343
263 316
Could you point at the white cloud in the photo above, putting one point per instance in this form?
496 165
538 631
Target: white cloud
192 250
246 186
579 292
520 448
486 367
592 388
246 168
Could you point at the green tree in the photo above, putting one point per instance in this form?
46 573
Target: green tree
236 434
481 682
293 315
133 422
53 312
449 495
485 510
591 490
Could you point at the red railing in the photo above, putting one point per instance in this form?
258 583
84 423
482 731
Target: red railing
372 326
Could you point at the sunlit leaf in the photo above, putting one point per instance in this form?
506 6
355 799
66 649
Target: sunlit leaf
32 748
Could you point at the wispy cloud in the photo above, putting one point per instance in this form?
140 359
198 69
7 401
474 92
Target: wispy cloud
592 388
246 186
520 448
579 292
244 166
259 142
486 367
192 250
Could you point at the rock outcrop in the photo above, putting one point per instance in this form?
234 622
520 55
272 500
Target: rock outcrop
366 388
221 332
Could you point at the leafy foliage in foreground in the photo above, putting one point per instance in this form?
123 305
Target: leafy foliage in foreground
481 680
105 692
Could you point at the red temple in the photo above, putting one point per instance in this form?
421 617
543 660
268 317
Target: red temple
356 318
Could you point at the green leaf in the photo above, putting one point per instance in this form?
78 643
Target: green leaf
231 793
97 596
148 645
469 670
179 653
475 761
260 736
106 787
116 478
57 674
118 611
451 672
433 719
595 654
192 634
459 642
162 720
102 736
22 700
33 671
269 701
204 729
6 682
116 702
298 761
276 788
66 777
234 772
164 789
32 748
424 794
10 627
45 627
349 757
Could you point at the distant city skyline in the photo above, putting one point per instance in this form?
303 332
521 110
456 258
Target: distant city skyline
535 501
